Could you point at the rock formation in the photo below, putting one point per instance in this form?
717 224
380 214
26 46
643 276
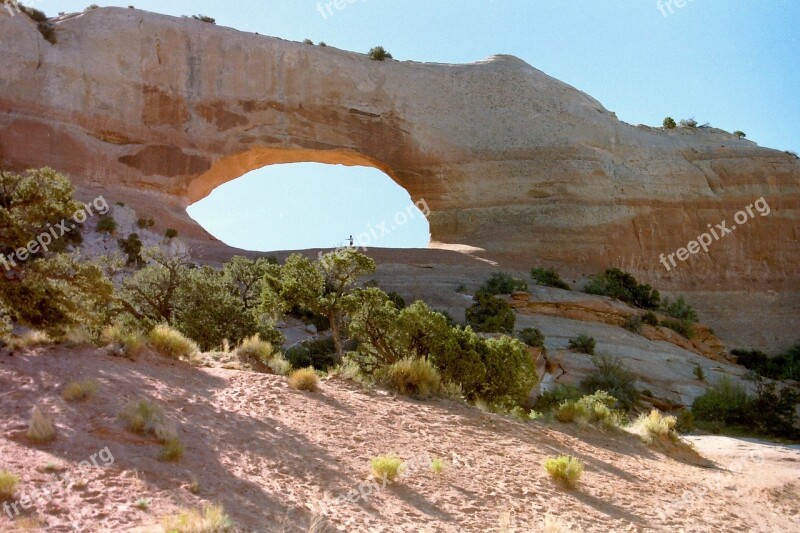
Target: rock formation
158 111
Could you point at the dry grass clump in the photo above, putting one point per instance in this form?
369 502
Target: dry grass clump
40 428
172 450
591 409
8 485
553 524
437 465
77 337
253 348
304 379
121 341
413 377
171 343
279 365
29 340
79 390
145 417
564 469
655 427
211 519
387 467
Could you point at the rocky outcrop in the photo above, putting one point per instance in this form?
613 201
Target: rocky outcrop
158 111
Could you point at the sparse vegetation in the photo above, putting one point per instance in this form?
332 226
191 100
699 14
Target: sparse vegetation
279 365
782 366
132 248
699 373
142 503
682 327
308 41
633 324
171 343
688 123
503 283
79 390
549 278
740 134
171 233
655 427
620 285
531 337
254 349
725 402
490 314
650 318
613 377
29 340
210 519
144 416
669 123
679 309
305 379
8 484
204 18
387 467
437 465
554 396
145 223
378 53
121 341
106 224
596 408
172 450
583 344
413 377
40 427
565 470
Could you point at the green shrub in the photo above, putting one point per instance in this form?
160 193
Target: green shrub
253 349
8 485
633 324
688 123
699 373
669 123
437 465
305 379
172 450
740 134
459 360
320 354
145 223
548 278
679 309
413 377
203 18
171 233
565 470
554 396
308 41
132 248
532 337
106 224
583 344
171 342
725 402
685 421
613 377
596 408
650 319
655 427
775 412
620 285
144 416
386 467
503 283
490 314
682 327
510 374
378 53
783 366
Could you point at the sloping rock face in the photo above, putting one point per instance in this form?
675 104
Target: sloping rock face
158 111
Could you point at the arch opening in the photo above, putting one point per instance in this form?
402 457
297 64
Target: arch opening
298 206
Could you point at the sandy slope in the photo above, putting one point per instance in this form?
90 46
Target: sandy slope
273 456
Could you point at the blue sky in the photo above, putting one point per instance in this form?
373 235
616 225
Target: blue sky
733 63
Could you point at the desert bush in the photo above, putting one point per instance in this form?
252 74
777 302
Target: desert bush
554 396
669 123
254 349
740 134
782 366
548 278
460 360
79 390
633 324
650 318
656 427
144 416
386 467
594 408
122 341
725 402
8 485
679 309
40 427
210 519
106 224
699 373
620 285
583 344
437 465
145 223
510 374
28 340
490 314
775 411
612 376
77 336
413 377
320 354
279 365
792 153
204 18
503 283
171 343
305 379
682 327
685 422
132 247
688 123
531 337
378 53
171 233
308 41
565 470
172 450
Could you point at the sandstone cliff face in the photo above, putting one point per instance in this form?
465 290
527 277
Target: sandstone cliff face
159 111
